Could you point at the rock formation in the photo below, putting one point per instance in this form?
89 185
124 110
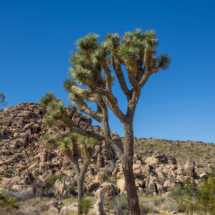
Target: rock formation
23 152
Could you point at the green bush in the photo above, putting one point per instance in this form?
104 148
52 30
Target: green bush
49 182
200 197
7 205
85 204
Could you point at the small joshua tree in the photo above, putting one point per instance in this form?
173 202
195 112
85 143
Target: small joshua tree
92 79
75 147
2 101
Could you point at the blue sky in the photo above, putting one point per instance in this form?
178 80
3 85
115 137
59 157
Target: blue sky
179 104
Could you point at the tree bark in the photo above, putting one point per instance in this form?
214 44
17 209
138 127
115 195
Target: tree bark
80 194
127 165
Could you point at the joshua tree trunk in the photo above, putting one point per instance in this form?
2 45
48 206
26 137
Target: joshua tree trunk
80 194
133 202
127 165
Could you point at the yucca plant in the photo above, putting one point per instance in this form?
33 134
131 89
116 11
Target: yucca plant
2 101
91 80
75 147
85 204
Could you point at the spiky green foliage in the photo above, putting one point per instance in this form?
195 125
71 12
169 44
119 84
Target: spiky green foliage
50 142
55 108
49 182
81 75
100 54
88 42
49 97
112 41
2 101
150 40
109 61
74 96
85 204
164 61
94 142
68 83
127 53
65 143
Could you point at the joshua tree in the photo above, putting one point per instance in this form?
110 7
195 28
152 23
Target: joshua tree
75 147
2 101
90 68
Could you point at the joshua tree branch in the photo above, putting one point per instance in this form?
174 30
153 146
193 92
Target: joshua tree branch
109 141
111 102
68 122
144 79
119 74
131 68
93 114
88 133
107 73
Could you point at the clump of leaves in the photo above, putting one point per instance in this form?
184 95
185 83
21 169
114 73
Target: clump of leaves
85 204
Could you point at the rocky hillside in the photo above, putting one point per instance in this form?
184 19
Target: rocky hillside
23 151
202 153
21 139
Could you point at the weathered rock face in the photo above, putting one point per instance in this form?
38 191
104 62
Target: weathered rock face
189 169
21 142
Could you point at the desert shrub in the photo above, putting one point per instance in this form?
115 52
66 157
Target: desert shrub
9 186
148 203
19 195
120 205
199 198
7 173
147 191
33 206
7 204
37 172
178 193
172 205
85 204
49 182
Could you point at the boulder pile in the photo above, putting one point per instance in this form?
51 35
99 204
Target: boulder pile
23 152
